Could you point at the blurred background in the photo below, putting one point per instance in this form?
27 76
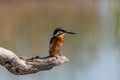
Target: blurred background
26 27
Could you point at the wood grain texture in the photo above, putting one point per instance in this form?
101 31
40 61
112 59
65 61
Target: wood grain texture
21 66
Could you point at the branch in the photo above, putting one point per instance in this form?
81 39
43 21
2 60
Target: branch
20 66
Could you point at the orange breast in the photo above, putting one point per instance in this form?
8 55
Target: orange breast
55 46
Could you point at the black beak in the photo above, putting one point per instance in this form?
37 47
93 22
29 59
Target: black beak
70 32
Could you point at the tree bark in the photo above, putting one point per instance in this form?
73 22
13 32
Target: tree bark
21 66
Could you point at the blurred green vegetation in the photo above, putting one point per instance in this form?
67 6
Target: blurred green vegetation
116 8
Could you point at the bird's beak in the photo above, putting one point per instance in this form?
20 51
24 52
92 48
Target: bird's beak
70 32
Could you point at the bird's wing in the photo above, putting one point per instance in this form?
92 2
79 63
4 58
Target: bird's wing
52 40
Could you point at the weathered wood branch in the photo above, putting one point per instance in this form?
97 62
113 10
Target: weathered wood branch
21 66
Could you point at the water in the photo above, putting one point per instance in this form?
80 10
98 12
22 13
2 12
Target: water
92 51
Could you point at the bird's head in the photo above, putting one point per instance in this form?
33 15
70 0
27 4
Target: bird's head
61 31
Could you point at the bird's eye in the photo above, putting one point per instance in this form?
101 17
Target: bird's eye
60 32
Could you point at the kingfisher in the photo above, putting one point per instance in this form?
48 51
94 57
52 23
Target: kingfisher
57 41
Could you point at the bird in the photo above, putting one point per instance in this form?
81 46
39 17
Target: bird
57 40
